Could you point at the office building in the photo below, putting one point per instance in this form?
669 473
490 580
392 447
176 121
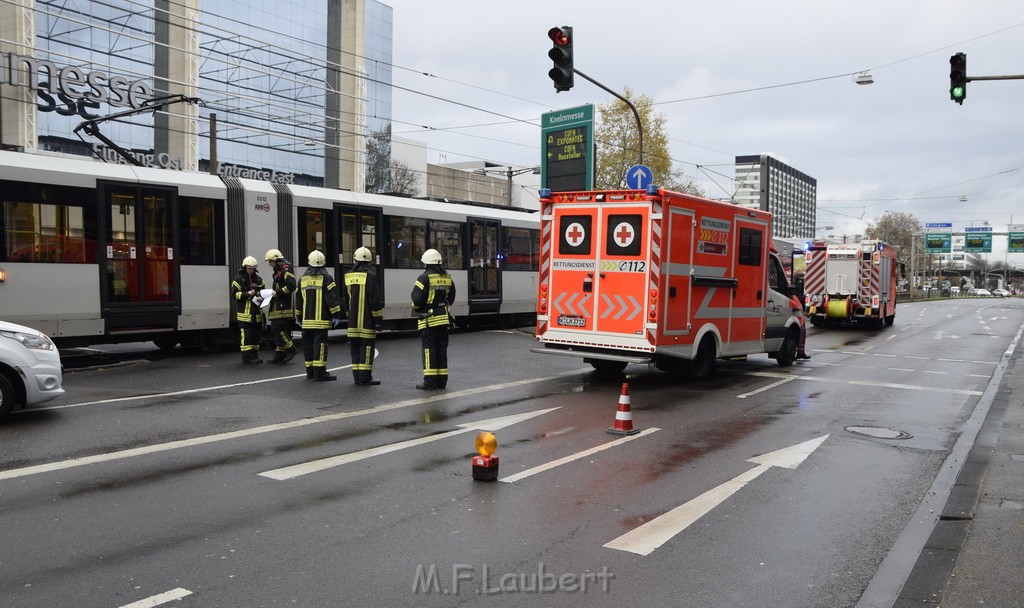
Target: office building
764 182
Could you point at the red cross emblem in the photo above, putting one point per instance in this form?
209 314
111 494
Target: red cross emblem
574 234
624 234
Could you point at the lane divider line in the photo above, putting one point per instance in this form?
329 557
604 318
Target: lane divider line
567 459
163 598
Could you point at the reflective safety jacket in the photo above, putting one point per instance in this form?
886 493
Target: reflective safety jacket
246 310
282 306
361 301
320 299
432 294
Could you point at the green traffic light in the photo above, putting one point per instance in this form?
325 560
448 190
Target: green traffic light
957 92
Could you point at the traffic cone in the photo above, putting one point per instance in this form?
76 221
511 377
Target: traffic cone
623 416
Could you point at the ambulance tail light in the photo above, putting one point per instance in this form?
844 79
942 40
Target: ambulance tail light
542 301
652 305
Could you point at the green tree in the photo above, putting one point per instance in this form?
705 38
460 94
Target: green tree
383 174
897 228
618 142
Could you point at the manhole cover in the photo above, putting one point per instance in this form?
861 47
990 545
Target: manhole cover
879 432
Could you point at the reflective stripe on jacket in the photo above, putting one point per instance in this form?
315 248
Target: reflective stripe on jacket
282 306
246 310
432 294
361 301
320 299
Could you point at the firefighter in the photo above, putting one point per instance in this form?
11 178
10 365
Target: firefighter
245 290
282 306
432 294
362 303
321 302
798 311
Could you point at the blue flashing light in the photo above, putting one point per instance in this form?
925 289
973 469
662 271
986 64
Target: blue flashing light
545 192
652 190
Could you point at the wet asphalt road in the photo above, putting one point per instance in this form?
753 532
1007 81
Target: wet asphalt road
164 477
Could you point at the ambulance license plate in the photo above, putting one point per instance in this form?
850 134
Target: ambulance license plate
567 321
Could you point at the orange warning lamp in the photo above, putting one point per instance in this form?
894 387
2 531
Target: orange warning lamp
485 463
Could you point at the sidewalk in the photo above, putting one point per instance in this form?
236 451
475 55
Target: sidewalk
975 555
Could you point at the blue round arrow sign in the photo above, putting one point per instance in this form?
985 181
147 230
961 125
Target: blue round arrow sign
638 177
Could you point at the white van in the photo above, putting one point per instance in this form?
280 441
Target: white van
30 369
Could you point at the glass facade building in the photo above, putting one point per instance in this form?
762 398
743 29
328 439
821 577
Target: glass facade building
264 68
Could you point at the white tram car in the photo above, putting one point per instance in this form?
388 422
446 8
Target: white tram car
92 252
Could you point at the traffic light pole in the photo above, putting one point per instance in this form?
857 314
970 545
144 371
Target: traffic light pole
639 126
1012 77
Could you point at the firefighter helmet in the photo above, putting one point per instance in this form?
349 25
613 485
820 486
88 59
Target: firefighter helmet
273 255
317 259
362 255
431 256
249 261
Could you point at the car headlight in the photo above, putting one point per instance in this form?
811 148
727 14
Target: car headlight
39 341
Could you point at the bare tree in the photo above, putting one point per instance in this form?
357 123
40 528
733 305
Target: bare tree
383 174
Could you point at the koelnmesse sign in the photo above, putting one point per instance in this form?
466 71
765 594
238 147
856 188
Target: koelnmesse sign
70 90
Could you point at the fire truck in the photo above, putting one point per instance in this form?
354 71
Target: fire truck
659 277
851 283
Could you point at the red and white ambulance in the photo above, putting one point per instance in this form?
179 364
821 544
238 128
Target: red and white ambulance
632 276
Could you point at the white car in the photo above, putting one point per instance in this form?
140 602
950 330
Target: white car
30 369
981 292
1002 293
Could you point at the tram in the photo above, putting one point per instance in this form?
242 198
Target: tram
94 252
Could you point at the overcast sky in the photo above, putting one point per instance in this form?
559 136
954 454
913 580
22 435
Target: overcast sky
899 144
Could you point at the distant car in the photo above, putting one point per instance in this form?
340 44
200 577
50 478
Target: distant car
1002 293
981 293
954 290
30 369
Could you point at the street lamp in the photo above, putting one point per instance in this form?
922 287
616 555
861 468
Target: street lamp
510 172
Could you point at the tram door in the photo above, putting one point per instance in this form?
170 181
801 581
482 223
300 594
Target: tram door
358 227
138 269
485 266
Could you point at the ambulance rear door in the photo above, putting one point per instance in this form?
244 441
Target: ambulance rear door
600 271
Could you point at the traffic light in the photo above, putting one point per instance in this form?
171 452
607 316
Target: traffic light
958 77
561 56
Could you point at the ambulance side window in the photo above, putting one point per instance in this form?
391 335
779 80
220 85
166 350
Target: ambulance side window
776 276
750 246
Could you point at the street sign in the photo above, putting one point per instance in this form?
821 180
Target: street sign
978 239
638 177
1015 240
938 242
946 225
567 149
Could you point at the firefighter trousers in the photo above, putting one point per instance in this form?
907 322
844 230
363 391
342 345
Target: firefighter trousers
434 341
282 331
314 350
362 358
250 340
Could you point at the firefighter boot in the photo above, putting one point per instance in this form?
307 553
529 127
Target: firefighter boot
288 354
278 357
309 373
321 375
251 357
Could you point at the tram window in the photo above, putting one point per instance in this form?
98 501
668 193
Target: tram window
407 237
201 226
314 227
446 237
521 249
45 232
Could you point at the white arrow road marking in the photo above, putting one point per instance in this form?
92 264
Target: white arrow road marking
571 457
163 598
305 468
648 537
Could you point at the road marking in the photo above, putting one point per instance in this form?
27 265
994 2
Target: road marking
937 373
881 355
184 443
953 360
576 456
899 369
653 534
912 387
163 598
853 352
767 388
916 357
305 468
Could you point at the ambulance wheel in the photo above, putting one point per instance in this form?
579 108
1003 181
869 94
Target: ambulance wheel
606 368
816 321
703 362
787 352
166 342
890 320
